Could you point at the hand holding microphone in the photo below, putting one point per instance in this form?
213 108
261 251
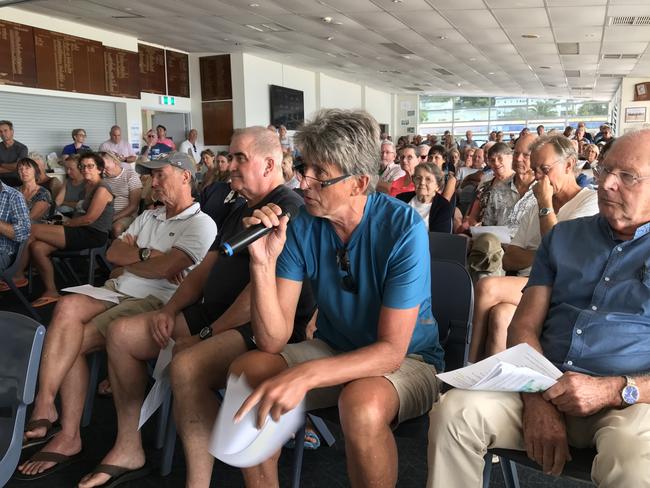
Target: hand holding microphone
270 219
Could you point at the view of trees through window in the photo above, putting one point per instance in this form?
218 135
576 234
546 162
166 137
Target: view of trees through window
484 114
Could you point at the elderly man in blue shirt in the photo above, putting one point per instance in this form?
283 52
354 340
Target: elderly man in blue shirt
587 309
14 224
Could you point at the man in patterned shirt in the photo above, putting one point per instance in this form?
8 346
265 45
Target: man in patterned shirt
14 224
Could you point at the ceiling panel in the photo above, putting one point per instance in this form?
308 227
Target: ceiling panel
457 4
423 20
577 15
482 19
634 33
522 17
515 3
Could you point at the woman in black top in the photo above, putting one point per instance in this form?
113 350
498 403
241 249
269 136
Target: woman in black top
435 209
87 229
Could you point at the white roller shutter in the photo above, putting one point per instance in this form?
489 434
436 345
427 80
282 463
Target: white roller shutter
44 123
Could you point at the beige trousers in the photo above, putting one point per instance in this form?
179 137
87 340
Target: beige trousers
464 424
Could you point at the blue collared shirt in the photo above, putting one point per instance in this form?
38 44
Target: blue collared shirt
598 320
13 210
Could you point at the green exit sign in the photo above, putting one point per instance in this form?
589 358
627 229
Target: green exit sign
165 100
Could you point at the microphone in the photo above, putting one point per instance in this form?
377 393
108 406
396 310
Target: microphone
254 232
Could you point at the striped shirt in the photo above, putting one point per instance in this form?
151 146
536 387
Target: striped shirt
121 185
13 210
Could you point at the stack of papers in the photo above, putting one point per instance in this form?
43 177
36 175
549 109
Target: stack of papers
97 292
520 369
243 445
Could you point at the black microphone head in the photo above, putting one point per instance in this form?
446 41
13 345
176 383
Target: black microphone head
290 210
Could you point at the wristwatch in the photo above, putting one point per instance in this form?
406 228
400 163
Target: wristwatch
144 253
545 211
630 392
205 333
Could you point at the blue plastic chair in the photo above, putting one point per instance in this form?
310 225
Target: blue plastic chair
20 356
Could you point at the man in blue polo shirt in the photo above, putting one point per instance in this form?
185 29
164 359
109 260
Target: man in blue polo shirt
376 348
586 307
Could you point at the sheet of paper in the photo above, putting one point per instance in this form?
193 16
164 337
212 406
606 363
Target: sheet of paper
98 292
159 390
164 358
527 370
242 444
501 231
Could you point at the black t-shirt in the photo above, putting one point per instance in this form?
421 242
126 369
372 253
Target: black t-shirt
218 201
230 275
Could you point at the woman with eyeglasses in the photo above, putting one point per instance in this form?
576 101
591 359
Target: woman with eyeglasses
87 229
436 211
77 146
38 199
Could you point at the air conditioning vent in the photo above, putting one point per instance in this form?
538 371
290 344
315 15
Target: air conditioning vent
629 20
621 56
268 27
572 73
568 48
412 88
393 46
609 75
443 72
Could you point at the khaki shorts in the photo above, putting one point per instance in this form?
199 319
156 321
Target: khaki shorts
127 307
415 381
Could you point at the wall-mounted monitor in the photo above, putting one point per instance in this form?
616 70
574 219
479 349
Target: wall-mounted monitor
287 107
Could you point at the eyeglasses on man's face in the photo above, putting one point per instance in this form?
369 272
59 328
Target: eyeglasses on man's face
301 170
86 166
343 262
627 179
546 169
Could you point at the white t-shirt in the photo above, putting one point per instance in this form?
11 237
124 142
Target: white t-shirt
528 236
423 209
191 231
465 171
391 172
193 150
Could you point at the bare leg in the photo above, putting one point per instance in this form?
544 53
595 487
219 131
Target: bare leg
40 255
24 261
497 336
490 292
62 347
195 373
73 387
260 366
129 343
367 408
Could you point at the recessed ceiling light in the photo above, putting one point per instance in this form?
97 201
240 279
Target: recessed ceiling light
327 20
253 4
472 59
443 38
459 85
331 55
491 73
329 38
530 36
406 56
397 1
545 67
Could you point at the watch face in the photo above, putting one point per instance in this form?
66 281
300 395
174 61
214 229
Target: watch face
205 333
630 394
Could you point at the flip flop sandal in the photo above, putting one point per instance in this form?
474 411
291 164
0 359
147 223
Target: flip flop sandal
52 428
61 461
41 302
119 474
19 284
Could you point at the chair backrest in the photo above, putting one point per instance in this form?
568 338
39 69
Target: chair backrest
20 355
11 270
448 247
452 303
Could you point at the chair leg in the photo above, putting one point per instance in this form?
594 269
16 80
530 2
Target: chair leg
509 470
91 268
93 378
298 451
164 415
487 469
168 448
320 425
23 300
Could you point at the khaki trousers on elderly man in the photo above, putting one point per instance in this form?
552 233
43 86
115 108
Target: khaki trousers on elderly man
464 424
